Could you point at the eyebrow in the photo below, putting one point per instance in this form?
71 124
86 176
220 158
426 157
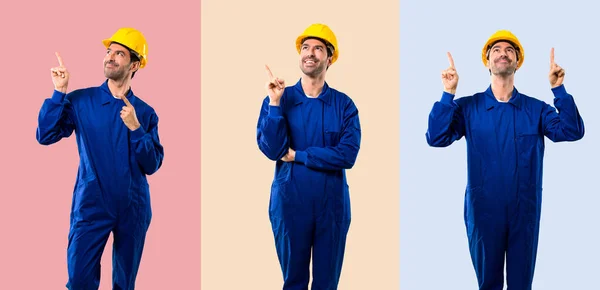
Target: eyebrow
316 45
117 50
498 46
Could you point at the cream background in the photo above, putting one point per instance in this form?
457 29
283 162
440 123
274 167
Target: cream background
238 250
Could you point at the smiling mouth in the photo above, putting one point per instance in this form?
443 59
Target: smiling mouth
310 62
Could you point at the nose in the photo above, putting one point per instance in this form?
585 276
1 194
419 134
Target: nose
110 56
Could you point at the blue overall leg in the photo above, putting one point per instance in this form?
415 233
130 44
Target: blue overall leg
328 253
91 225
129 237
485 220
292 223
522 245
293 242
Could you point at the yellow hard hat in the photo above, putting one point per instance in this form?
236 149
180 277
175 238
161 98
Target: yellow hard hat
506 36
132 39
323 32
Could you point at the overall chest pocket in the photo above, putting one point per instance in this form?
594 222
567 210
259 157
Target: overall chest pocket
332 137
528 142
332 126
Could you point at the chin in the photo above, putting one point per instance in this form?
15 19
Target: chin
504 73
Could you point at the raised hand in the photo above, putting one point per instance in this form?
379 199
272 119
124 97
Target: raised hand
557 74
275 87
450 77
60 75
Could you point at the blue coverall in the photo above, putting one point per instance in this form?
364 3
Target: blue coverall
111 191
505 150
310 204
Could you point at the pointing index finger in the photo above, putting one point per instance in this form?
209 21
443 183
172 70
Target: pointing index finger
60 61
269 73
127 103
450 60
552 56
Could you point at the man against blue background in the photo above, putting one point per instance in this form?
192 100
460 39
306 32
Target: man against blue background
504 130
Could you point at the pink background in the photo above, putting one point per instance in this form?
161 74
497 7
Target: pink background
37 182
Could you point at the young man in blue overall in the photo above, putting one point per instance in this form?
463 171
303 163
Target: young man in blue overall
313 133
118 143
504 131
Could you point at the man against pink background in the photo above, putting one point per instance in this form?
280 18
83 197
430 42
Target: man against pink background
118 144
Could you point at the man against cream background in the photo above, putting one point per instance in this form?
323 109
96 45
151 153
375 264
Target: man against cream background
504 131
313 133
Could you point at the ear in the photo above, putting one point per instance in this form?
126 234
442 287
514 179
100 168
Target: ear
134 66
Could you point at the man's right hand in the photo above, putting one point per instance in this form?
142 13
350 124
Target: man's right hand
450 77
275 87
60 76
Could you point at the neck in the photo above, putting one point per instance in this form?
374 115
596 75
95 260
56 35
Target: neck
119 87
313 86
502 87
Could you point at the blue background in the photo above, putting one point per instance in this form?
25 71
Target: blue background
433 241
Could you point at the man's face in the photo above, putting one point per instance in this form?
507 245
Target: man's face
117 62
313 57
502 59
